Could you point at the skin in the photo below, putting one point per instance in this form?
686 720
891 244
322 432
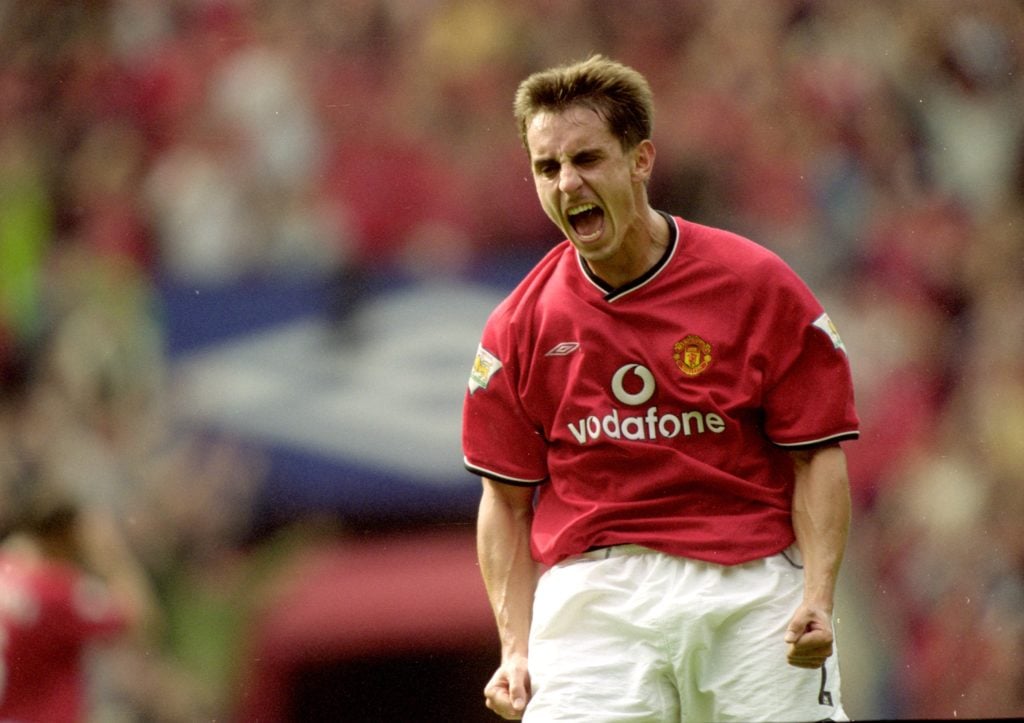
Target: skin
575 160
510 576
821 521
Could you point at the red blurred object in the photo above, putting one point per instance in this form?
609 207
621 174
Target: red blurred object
413 594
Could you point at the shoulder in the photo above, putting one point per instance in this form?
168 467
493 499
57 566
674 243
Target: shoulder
550 275
740 262
729 251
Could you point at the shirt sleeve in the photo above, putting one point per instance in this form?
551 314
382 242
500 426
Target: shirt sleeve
499 439
808 394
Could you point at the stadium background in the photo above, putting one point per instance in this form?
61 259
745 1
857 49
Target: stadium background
246 247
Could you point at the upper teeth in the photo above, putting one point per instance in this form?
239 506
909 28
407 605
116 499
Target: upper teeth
580 209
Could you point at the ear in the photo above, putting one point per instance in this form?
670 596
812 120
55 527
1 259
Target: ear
643 160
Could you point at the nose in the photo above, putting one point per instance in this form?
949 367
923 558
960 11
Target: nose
568 179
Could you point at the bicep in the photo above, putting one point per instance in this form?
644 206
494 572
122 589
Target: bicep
827 459
821 489
510 495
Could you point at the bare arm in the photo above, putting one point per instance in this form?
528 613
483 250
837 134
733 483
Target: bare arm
821 521
106 553
510 576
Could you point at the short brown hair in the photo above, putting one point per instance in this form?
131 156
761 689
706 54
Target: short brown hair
614 91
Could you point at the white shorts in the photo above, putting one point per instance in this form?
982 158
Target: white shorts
630 634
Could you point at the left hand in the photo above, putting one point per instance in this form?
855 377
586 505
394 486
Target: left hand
809 636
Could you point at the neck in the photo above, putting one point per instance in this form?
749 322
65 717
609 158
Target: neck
647 241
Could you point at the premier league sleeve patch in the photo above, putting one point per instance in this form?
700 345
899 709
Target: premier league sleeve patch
825 324
485 366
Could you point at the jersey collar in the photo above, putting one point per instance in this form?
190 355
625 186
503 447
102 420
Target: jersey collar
611 294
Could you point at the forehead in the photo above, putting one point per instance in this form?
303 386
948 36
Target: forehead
554 133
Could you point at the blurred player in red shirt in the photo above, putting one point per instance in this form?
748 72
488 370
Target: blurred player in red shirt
53 608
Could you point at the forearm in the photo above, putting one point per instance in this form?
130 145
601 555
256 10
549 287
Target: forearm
107 554
509 573
821 520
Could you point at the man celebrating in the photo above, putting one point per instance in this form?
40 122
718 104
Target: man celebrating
656 413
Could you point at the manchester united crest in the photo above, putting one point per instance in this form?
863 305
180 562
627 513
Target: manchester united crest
692 355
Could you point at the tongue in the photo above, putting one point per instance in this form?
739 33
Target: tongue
588 223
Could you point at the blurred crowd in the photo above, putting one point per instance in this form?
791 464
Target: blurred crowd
877 146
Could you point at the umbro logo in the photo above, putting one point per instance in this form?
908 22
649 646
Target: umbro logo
563 349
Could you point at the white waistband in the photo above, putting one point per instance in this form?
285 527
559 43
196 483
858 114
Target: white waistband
603 553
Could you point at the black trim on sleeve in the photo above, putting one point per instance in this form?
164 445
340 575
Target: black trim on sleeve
489 474
815 443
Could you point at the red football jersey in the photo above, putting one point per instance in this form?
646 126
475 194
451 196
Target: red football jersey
49 611
659 413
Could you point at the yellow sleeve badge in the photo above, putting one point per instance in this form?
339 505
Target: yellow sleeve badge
825 324
485 366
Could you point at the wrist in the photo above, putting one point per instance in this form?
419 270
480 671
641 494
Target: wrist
819 601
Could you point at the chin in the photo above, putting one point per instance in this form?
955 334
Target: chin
599 249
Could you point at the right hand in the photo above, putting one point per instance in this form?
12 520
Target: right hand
809 636
508 690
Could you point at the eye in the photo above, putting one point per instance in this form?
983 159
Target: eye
547 169
586 159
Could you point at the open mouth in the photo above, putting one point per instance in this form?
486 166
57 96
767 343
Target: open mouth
587 220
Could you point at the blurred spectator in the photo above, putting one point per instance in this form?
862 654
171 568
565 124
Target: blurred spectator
26 227
51 607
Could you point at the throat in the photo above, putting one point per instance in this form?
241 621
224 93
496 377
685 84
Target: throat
637 256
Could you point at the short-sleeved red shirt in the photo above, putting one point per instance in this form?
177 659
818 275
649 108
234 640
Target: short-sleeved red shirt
659 413
49 612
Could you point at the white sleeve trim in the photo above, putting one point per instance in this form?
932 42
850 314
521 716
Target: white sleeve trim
499 477
852 434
